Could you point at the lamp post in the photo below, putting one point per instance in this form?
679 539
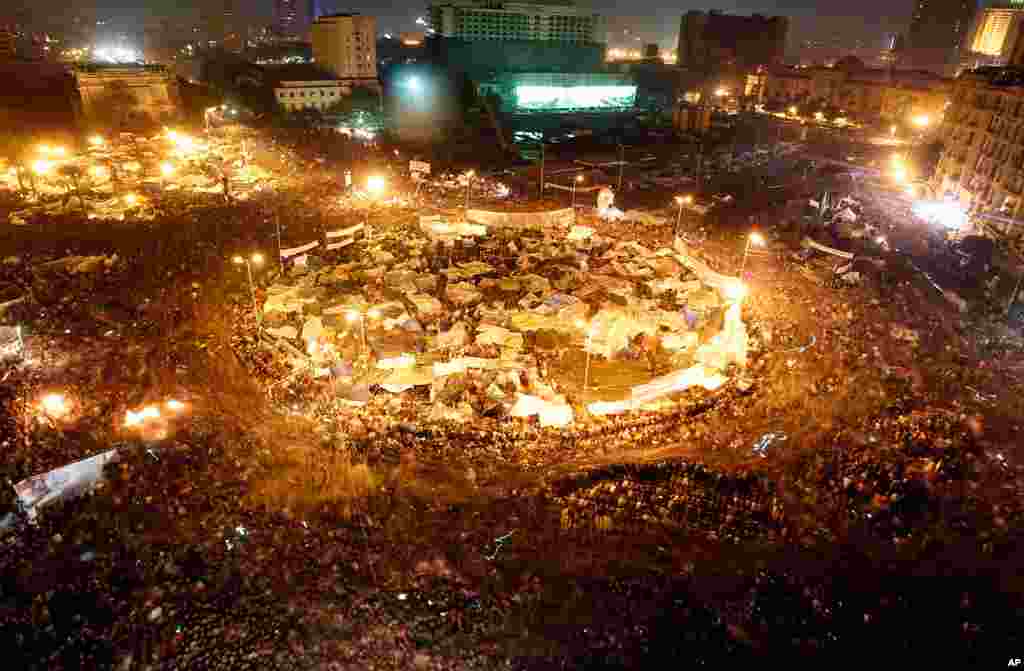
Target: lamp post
356 315
622 164
257 259
588 329
469 186
578 180
755 238
681 200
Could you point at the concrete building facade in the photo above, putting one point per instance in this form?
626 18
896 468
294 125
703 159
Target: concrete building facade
504 21
309 94
346 44
8 42
286 18
982 163
136 95
864 94
994 32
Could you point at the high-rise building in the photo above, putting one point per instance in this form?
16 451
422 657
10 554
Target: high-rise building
708 40
937 34
346 44
287 17
982 160
475 20
314 10
8 42
993 34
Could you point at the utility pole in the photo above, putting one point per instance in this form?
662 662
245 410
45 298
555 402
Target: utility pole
622 164
542 166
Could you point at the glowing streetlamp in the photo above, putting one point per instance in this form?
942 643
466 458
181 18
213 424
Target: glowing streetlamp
42 167
131 200
54 406
578 180
681 200
96 141
413 83
166 171
792 111
754 238
469 186
922 120
256 258
375 185
735 291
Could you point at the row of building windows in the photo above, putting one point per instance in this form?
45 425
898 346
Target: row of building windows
306 106
302 94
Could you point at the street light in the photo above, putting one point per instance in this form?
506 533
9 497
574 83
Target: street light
754 238
256 258
356 315
681 200
375 185
96 141
589 330
578 180
413 83
42 167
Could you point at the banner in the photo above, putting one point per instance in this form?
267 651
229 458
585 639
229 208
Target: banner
288 253
345 232
64 483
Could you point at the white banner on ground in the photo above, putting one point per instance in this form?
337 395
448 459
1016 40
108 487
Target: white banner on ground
419 166
345 232
807 242
288 253
61 483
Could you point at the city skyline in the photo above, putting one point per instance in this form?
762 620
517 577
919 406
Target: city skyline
654 20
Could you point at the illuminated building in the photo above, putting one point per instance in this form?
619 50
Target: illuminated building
304 86
346 44
861 93
481 37
286 14
121 93
993 34
982 161
8 42
476 20
708 40
560 92
937 33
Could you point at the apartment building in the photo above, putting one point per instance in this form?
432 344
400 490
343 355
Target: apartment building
346 44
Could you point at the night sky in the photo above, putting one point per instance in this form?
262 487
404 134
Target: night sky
656 20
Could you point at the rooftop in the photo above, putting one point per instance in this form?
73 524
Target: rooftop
297 72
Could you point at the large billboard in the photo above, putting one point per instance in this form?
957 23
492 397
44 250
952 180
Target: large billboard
540 98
